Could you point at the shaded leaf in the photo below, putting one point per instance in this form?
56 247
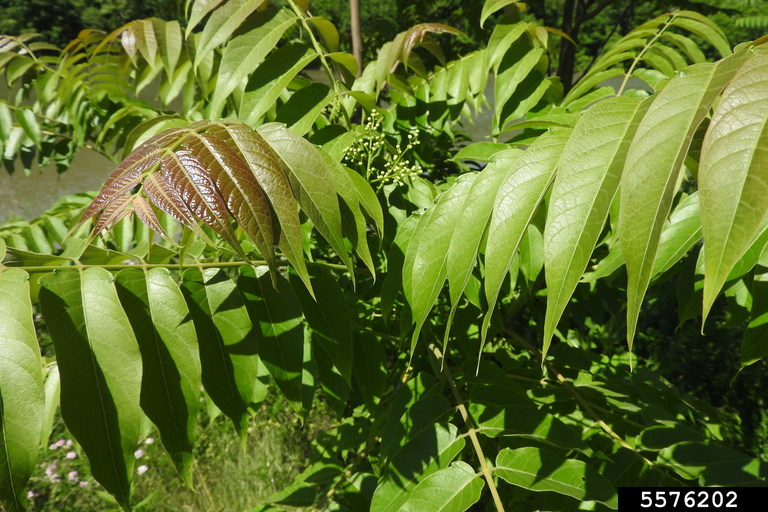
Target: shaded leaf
22 397
455 489
100 367
170 388
539 470
280 324
227 344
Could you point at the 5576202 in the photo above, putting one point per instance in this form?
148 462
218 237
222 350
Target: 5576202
651 499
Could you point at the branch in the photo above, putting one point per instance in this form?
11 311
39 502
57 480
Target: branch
486 471
568 385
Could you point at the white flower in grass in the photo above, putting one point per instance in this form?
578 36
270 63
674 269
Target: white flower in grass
84 484
139 453
142 469
73 476
149 440
71 455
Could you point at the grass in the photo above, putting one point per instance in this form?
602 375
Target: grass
226 477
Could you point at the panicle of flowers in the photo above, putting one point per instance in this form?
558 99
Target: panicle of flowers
399 169
369 143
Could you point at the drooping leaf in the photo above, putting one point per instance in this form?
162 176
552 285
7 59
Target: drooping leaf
281 331
491 6
170 388
303 107
474 215
712 464
52 400
329 318
21 390
199 9
100 367
271 78
312 178
652 167
754 345
426 260
539 470
587 179
733 174
679 235
227 344
516 202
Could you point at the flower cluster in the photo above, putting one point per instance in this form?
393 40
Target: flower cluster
372 154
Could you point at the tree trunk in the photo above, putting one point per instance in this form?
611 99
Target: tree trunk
357 40
567 49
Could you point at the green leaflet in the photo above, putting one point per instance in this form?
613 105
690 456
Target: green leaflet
422 456
453 489
491 6
281 331
170 388
754 346
271 78
733 174
539 470
244 53
222 23
52 400
652 167
680 234
587 179
22 398
100 367
369 367
318 181
711 464
199 10
426 259
226 341
475 213
516 202
303 107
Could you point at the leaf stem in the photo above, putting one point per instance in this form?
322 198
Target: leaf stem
37 269
647 47
486 470
320 53
568 385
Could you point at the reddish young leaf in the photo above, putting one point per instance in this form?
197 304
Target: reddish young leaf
240 190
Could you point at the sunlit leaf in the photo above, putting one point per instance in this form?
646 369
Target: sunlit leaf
733 174
652 167
587 179
516 202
